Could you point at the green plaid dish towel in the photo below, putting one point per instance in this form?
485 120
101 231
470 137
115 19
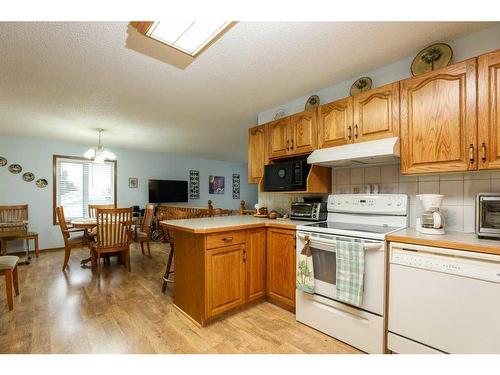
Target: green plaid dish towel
350 271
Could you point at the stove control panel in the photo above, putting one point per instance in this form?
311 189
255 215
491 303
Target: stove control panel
383 204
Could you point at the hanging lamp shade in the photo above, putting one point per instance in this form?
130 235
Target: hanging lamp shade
99 154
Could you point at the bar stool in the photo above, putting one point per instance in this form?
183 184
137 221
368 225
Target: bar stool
168 270
8 267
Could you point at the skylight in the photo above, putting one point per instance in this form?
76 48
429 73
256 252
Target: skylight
187 36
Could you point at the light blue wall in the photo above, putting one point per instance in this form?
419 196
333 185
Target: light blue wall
36 156
466 47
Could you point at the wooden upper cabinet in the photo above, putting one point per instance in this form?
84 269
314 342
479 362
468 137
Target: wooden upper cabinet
489 110
438 120
225 278
292 135
278 137
255 258
256 154
376 113
335 123
303 132
281 266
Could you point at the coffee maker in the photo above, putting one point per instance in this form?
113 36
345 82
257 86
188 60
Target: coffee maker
429 219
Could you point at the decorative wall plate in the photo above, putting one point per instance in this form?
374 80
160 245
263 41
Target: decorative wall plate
3 161
433 57
41 183
15 168
280 113
312 102
361 84
28 176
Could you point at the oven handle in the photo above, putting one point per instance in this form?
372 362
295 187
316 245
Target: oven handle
368 246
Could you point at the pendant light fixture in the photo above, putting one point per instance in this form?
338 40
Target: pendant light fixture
99 154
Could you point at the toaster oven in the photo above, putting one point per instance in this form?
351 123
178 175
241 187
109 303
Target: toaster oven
488 215
313 211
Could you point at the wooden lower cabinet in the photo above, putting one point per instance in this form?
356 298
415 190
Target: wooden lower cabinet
255 263
281 266
221 271
225 278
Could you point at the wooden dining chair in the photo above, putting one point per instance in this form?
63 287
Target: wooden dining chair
143 233
73 237
93 209
113 235
8 268
14 226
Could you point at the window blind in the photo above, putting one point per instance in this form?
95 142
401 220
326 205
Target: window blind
82 182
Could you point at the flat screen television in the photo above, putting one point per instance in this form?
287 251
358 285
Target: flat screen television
165 191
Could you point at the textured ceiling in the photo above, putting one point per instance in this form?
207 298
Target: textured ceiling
62 80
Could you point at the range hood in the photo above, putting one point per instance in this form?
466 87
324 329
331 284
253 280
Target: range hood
382 151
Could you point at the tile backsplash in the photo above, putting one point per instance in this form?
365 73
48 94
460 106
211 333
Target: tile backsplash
460 190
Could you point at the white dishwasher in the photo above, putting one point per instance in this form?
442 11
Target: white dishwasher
443 301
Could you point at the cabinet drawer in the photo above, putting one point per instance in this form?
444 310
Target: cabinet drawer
225 238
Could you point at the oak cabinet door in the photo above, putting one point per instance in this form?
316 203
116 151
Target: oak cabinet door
255 263
303 132
225 279
256 154
376 113
281 265
278 137
489 110
335 122
438 120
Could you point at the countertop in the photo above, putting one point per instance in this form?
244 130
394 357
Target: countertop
227 223
450 240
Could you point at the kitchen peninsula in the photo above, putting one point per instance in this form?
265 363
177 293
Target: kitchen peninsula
222 263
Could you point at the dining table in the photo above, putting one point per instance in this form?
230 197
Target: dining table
90 223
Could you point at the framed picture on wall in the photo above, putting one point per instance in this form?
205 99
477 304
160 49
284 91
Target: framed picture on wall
133 182
216 184
236 186
194 184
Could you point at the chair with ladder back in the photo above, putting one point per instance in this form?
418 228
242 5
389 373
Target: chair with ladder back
113 236
144 230
73 237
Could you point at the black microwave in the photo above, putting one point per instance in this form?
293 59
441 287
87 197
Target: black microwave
287 175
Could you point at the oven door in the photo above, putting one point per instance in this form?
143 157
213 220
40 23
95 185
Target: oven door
325 268
488 215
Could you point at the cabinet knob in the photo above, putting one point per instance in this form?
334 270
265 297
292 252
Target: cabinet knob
356 131
349 132
227 239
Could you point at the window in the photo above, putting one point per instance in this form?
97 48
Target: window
190 37
79 182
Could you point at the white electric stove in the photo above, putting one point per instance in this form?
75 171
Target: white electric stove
360 218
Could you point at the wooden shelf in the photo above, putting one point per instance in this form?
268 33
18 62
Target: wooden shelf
319 181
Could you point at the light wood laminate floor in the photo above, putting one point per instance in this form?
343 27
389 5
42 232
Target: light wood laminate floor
70 312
